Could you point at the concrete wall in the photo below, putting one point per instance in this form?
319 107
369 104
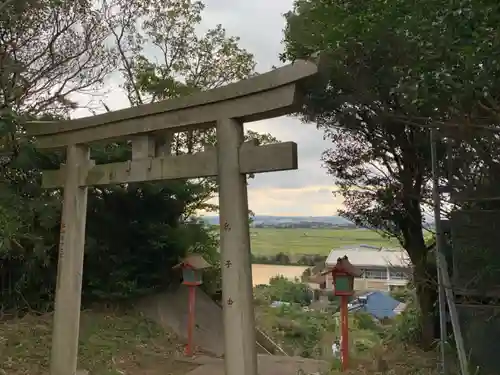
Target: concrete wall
170 310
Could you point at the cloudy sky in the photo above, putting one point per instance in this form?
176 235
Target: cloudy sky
307 191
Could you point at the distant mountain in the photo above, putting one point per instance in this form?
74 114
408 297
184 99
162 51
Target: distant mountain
336 220
303 221
283 220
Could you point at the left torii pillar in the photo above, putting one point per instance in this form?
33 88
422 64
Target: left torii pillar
64 352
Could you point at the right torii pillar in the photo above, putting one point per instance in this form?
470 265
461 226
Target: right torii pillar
237 286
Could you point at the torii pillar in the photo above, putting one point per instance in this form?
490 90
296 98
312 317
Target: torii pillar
237 287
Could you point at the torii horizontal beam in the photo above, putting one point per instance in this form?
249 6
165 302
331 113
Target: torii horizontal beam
261 97
252 159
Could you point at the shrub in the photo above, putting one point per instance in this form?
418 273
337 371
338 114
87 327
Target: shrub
406 327
297 331
282 289
331 296
403 294
363 320
282 258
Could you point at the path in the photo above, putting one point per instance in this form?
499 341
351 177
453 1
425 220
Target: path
268 365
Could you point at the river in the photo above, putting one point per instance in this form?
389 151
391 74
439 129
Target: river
261 273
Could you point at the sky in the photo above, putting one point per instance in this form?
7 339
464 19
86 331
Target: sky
303 192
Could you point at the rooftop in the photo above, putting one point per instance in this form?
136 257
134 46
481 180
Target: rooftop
364 255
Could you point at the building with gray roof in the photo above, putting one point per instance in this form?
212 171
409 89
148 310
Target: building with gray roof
383 269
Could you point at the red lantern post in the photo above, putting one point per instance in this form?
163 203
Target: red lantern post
191 267
343 274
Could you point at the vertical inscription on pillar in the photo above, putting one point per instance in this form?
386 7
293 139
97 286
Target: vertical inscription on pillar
228 263
61 241
62 234
227 227
230 301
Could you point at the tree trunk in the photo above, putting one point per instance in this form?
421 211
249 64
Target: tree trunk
426 295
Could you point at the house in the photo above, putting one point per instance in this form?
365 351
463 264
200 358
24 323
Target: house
383 269
378 304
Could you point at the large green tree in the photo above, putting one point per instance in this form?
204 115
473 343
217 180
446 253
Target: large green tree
162 56
394 70
135 232
49 50
381 166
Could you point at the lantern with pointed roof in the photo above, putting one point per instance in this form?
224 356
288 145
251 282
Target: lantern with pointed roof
192 267
343 274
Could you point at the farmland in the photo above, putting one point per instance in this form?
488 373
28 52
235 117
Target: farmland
292 241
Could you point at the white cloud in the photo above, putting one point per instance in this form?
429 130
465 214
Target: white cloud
307 191
312 200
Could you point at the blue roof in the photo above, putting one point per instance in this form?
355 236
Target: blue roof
379 304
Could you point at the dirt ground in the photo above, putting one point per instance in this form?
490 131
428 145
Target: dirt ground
268 365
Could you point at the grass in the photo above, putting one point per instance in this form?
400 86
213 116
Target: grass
110 344
392 358
293 241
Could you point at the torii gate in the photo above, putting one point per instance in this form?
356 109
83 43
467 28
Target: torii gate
150 127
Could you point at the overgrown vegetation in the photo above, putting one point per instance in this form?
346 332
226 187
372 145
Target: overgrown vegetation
375 346
284 290
111 343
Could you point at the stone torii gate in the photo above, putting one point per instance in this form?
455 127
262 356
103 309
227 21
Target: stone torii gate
150 127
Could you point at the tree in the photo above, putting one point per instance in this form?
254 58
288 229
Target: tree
135 232
48 51
380 163
284 290
162 56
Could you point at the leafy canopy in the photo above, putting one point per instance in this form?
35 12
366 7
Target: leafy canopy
51 50
393 70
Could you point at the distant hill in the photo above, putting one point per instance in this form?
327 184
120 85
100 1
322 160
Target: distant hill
291 221
262 221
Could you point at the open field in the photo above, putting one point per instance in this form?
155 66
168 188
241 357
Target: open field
271 241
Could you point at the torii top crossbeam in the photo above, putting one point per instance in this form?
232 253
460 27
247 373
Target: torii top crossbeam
264 96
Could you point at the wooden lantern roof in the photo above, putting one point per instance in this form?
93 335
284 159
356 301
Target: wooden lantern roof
344 266
195 261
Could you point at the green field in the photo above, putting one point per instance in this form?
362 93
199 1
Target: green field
271 241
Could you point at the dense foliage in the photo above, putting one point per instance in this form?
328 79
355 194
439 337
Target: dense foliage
284 290
49 52
286 259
